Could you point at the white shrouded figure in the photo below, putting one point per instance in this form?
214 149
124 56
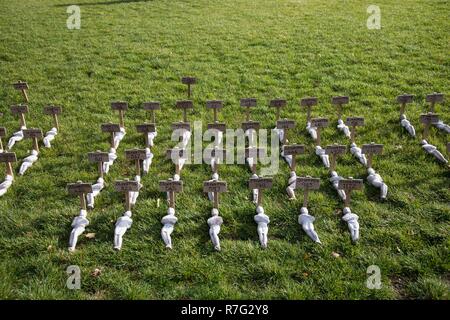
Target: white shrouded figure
287 158
342 127
185 137
250 161
323 156
334 179
356 151
433 151
28 162
111 156
376 180
311 130
407 125
168 222
148 160
50 136
122 225
255 191
96 188
6 184
214 228
352 222
79 224
214 177
135 194
262 220
291 185
442 126
118 136
218 138
306 221
280 133
17 136
150 137
251 135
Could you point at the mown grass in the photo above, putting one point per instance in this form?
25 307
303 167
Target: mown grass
137 51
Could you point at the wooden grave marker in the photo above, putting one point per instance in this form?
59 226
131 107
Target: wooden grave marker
2 135
308 103
172 187
334 151
22 87
8 158
152 106
80 189
100 158
339 101
260 184
110 128
354 122
184 104
216 187
278 104
34 134
348 185
120 106
285 124
433 99
188 81
53 111
248 103
403 100
126 186
371 149
145 128
252 152
20 109
175 154
307 184
293 150
319 123
136 155
427 120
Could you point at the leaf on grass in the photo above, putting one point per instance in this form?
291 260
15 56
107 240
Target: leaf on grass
90 235
335 254
97 272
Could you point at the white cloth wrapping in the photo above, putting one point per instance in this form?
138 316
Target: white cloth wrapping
96 188
16 137
79 224
28 162
148 160
342 127
50 136
287 158
307 223
4 186
280 133
291 185
323 156
334 179
135 194
356 152
312 131
407 125
122 225
433 151
151 137
185 138
255 191
176 177
112 156
118 136
352 222
251 136
168 222
375 179
262 221
214 177
442 126
214 224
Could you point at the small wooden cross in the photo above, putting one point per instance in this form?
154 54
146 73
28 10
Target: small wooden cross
308 103
23 87
54 111
248 103
370 150
319 123
252 152
111 128
215 105
427 120
120 106
354 122
285 124
339 101
188 81
348 185
293 150
217 153
2 135
80 189
307 183
184 104
126 186
403 100
20 109
172 187
277 103
260 184
216 187
152 106
334 151
145 128
8 158
433 99
175 154
99 157
33 134
137 155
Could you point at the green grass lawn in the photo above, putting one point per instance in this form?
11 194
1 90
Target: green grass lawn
137 51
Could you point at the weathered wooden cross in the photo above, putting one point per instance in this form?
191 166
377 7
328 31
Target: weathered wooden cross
307 184
188 81
216 187
145 128
371 149
126 186
137 155
184 104
403 100
172 187
120 106
80 189
248 103
433 99
277 103
23 87
20 109
293 150
152 106
354 122
319 123
53 111
175 154
33 134
285 124
339 102
334 151
348 185
427 120
8 158
110 128
99 157
308 103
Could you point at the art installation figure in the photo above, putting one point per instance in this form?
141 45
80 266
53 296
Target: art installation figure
168 222
291 185
50 136
186 136
433 151
352 222
306 221
311 130
280 133
112 157
118 136
376 180
135 194
356 151
442 126
28 162
343 127
148 160
6 184
251 135
122 225
335 181
214 228
287 158
150 137
262 220
214 177
16 137
407 125
96 188
79 224
323 156
255 191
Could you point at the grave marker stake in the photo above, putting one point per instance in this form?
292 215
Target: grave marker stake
260 184
23 87
348 185
33 134
370 150
339 101
81 189
100 158
403 100
354 122
334 151
126 186
433 99
216 187
120 106
8 158
277 103
428 119
53 111
172 187
293 150
308 103
307 183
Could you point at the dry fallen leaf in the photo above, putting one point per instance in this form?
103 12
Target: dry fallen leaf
90 235
97 272
335 254
50 247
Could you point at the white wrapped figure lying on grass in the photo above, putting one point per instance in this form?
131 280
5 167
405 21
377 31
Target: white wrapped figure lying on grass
356 151
112 157
118 136
168 222
214 228
279 133
352 222
151 137
375 179
407 125
287 158
148 160
135 194
306 221
28 162
96 188
433 151
334 179
122 225
442 126
79 225
16 137
291 185
344 128
323 156
4 186
50 136
311 130
262 220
